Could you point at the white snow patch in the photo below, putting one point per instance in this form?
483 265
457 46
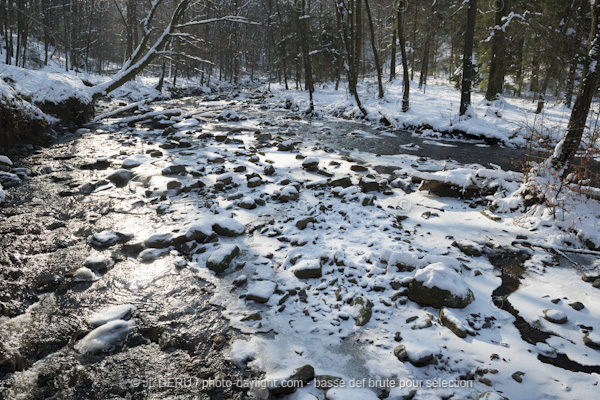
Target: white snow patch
105 337
111 313
443 277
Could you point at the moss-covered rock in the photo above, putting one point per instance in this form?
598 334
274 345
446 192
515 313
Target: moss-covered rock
365 312
451 322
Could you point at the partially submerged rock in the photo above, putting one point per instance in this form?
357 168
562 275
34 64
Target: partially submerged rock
106 239
120 177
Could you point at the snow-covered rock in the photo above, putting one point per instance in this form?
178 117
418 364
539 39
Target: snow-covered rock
97 263
199 232
220 259
555 316
307 269
9 180
452 322
150 255
84 274
132 162
288 193
5 164
107 238
105 338
112 313
592 340
438 285
159 241
228 115
228 227
261 291
310 164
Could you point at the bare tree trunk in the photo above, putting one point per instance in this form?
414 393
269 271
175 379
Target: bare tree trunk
283 44
519 62
465 96
394 35
545 83
414 41
308 78
571 82
374 46
496 78
405 80
566 150
350 48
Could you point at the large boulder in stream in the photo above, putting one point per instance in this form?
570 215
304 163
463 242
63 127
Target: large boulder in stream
438 285
20 121
71 111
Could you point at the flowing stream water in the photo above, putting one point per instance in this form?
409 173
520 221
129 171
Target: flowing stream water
44 235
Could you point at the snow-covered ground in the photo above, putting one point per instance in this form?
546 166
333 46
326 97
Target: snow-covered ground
511 120
316 273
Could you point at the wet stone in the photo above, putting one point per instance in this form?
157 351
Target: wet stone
120 177
150 255
99 264
159 241
8 180
106 239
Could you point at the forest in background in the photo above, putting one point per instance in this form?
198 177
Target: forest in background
538 45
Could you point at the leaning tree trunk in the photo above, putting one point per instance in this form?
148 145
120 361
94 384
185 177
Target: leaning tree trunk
465 95
497 70
406 81
565 151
